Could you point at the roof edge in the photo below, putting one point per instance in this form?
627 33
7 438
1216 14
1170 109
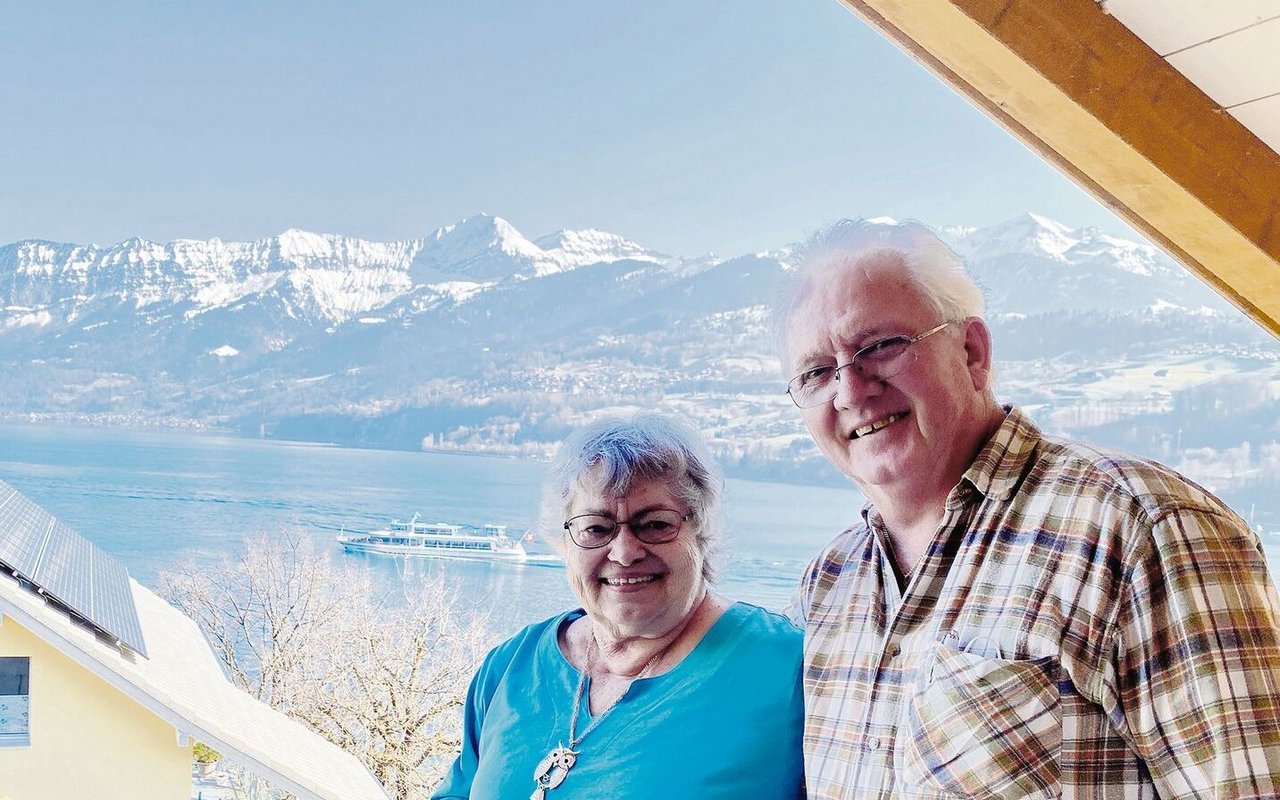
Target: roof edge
156 702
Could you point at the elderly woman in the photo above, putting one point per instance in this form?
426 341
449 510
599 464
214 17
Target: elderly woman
656 687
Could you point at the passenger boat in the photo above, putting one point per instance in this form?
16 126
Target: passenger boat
439 540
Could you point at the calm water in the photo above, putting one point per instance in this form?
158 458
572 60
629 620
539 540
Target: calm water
156 499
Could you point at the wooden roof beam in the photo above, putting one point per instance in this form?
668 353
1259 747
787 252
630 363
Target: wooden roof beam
1079 88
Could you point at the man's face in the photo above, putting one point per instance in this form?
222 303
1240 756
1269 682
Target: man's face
912 434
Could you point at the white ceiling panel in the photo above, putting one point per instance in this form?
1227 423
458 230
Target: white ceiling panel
1170 25
1237 68
1263 118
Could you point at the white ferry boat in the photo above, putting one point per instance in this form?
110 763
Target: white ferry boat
439 540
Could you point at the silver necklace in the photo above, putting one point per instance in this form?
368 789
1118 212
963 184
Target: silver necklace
554 768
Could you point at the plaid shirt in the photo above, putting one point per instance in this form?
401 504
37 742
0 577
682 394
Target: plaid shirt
1085 625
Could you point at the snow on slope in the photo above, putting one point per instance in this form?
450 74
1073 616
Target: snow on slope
573 249
1033 264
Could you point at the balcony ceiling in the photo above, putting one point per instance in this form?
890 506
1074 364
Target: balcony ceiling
1167 111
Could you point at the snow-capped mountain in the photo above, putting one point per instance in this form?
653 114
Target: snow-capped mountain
313 276
1029 233
484 249
327 279
573 249
1032 264
310 277
477 336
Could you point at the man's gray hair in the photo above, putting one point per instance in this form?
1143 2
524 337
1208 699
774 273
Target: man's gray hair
608 456
930 264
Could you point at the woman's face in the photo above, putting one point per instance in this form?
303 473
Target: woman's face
630 588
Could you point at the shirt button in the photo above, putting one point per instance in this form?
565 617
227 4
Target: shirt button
894 651
875 744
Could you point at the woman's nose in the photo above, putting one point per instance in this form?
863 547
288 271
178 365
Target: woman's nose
625 547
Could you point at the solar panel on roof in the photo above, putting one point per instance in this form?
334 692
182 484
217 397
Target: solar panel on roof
62 571
68 568
113 600
21 535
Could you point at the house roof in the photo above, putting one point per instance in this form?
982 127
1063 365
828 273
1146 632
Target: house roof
67 568
1167 112
181 682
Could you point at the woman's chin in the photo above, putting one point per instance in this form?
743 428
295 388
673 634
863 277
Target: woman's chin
630 619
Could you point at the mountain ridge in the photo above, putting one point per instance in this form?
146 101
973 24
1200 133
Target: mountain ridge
500 342
480 249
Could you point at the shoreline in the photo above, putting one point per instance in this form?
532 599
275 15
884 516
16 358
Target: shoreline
60 421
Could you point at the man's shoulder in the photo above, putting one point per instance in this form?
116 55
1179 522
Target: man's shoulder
852 539
1107 472
1023 457
827 569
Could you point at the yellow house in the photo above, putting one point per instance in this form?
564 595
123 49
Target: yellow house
104 686
85 739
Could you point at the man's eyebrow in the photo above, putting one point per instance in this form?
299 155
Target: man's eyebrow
812 358
875 338
853 340
871 333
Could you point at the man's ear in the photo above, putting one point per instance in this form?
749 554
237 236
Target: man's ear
977 349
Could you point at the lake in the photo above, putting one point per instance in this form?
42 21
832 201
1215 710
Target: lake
155 499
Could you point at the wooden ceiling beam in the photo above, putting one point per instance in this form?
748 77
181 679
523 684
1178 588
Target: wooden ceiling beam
1079 88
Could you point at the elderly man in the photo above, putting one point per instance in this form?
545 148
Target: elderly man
1014 615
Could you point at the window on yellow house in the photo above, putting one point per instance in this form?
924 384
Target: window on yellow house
15 701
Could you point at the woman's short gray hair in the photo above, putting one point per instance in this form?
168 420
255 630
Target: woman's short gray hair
606 457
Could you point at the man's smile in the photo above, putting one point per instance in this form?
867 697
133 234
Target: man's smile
865 430
880 424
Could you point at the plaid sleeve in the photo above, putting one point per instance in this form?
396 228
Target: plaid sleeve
1197 658
798 609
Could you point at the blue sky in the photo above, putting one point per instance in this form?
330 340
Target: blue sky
687 125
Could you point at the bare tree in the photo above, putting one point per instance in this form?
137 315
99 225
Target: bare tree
381 675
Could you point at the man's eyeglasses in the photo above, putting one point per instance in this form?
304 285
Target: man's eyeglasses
881 359
655 526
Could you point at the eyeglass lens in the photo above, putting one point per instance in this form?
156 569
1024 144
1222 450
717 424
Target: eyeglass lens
881 360
876 361
652 527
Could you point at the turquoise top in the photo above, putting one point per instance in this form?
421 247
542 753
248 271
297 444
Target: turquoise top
726 722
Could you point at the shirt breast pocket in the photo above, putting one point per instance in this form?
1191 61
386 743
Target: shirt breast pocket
979 727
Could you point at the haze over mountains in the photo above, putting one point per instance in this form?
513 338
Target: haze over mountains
478 338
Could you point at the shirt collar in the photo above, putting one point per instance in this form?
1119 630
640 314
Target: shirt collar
1003 460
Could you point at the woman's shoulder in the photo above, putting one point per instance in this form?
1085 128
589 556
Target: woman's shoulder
756 652
744 626
528 643
763 622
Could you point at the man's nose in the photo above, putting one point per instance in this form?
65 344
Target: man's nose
852 386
